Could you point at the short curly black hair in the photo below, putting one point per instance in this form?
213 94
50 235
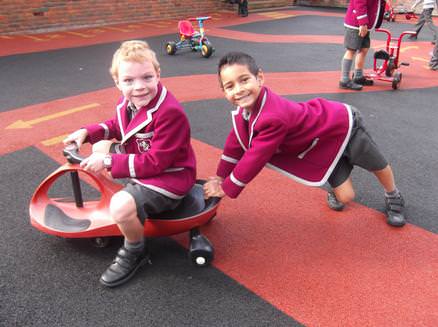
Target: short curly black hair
239 58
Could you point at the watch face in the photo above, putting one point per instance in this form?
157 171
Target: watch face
107 162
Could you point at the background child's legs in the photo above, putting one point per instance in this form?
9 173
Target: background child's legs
347 63
359 64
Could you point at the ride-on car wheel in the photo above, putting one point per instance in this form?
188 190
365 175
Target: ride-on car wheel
396 80
171 48
206 49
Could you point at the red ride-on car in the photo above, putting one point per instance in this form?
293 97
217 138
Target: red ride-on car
76 217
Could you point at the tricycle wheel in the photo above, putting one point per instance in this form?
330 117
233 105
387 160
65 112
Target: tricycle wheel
100 242
390 68
396 80
171 48
206 49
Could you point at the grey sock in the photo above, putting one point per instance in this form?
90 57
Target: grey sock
135 246
392 194
358 73
346 67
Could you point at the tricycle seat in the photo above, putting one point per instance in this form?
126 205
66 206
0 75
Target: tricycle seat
381 54
186 29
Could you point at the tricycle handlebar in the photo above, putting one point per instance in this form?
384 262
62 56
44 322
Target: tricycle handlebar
199 18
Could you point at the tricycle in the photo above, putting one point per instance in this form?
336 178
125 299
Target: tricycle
387 61
189 38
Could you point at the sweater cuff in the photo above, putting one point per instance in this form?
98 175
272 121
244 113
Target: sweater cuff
232 187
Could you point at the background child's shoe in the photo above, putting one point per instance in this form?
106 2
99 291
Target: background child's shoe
350 85
363 81
333 202
394 210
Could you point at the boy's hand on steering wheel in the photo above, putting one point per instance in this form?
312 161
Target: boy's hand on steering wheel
77 137
94 162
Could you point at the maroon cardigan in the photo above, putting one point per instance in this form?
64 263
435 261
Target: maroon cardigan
301 140
364 12
157 144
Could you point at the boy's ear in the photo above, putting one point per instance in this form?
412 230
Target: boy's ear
260 77
158 73
116 81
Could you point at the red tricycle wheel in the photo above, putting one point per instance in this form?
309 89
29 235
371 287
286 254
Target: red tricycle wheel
396 80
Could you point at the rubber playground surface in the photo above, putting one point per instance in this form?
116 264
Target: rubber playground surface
282 257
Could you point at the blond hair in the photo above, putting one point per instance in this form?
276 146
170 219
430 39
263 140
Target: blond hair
134 50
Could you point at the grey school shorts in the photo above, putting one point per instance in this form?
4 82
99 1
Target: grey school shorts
361 151
353 41
147 201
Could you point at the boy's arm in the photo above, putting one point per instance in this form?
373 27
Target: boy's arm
361 9
263 147
232 153
107 130
171 134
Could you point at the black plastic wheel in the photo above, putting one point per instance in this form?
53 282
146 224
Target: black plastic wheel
396 80
201 252
390 68
171 48
100 242
206 49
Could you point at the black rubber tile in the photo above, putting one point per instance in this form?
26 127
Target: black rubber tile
51 281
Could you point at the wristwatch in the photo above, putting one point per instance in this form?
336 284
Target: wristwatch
107 161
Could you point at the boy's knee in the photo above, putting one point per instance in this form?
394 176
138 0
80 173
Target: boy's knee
122 207
345 196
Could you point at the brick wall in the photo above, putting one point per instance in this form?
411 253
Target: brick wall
18 16
33 16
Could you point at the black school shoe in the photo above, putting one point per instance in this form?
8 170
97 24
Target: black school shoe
363 81
350 85
333 202
394 210
124 266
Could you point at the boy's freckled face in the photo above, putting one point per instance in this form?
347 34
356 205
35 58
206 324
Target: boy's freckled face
240 86
138 82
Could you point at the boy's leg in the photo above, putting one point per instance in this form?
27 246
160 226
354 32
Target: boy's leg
244 8
132 254
341 183
420 23
341 195
362 151
359 77
434 59
430 24
352 44
393 199
347 63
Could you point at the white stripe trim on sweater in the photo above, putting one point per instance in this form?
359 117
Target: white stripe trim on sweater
229 159
131 159
236 181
